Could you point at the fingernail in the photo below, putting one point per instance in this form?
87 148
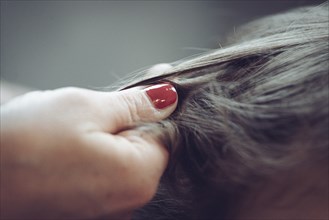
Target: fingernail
162 95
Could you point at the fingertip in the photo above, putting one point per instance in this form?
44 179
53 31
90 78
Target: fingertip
141 104
159 69
163 97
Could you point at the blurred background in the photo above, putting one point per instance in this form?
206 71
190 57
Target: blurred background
51 44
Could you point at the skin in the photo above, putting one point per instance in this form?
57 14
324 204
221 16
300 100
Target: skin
73 154
9 91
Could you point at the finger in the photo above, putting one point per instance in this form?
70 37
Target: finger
129 107
136 163
158 69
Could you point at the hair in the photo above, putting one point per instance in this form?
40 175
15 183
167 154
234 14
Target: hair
246 111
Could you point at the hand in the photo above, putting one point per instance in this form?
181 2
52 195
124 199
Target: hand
72 153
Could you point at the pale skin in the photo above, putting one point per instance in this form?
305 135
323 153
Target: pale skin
73 153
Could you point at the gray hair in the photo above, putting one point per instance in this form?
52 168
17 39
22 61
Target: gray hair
256 106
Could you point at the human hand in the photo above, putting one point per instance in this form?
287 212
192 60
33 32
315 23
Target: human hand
73 153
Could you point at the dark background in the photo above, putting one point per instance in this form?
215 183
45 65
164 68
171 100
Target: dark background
50 44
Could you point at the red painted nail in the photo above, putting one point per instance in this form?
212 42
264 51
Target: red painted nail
162 95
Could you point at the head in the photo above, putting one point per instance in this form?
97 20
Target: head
249 138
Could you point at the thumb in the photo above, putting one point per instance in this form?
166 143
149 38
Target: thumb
135 105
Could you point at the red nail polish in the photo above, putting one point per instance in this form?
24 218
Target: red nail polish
162 95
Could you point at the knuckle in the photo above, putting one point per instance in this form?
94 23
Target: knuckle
145 187
143 192
131 105
142 184
73 95
147 192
